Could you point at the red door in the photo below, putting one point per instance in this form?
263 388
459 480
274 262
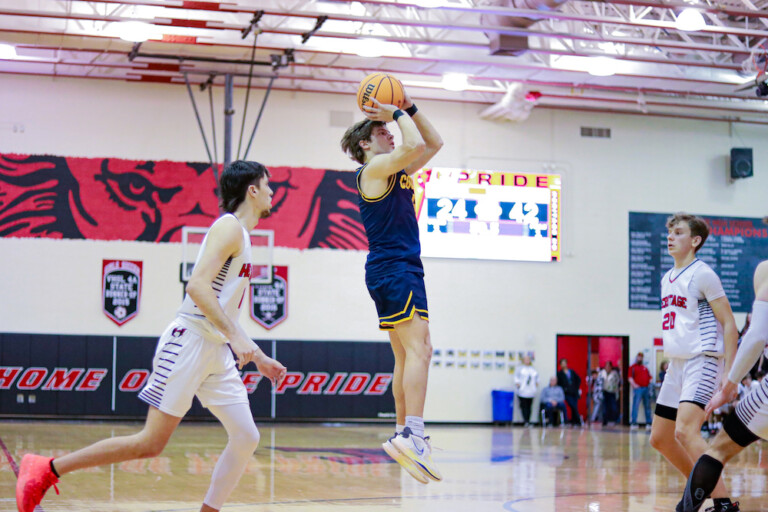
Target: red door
575 350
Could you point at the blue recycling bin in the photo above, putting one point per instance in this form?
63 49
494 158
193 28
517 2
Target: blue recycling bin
502 405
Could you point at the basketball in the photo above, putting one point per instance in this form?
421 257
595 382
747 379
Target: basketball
385 88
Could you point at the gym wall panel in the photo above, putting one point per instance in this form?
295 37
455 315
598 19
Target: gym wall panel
649 164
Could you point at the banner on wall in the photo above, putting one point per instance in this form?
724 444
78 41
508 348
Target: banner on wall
51 196
120 289
269 301
77 376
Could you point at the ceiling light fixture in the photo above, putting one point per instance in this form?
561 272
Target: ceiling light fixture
135 31
7 51
690 20
368 47
602 66
455 81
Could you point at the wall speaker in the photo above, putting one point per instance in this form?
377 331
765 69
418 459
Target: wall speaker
741 163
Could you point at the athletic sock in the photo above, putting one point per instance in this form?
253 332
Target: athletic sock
416 424
399 429
701 483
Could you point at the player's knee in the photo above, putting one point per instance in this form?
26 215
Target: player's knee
252 439
420 348
148 448
686 436
427 347
658 441
247 439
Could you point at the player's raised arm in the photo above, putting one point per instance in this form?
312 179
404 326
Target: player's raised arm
428 132
384 164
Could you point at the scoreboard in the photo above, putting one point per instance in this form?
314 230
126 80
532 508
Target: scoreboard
490 215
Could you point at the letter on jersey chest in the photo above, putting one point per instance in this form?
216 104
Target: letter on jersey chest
674 301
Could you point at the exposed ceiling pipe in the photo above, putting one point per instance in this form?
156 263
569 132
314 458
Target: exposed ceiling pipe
224 7
530 67
170 75
142 65
718 8
510 31
469 101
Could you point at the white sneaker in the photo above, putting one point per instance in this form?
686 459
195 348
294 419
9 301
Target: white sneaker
633 426
404 461
648 427
419 451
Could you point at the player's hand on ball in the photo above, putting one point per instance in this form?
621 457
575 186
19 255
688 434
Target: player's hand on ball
407 101
271 369
379 112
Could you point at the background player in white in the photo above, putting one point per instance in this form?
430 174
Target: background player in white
750 419
698 329
193 356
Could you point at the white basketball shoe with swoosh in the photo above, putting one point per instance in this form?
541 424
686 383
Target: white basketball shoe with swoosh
404 461
419 451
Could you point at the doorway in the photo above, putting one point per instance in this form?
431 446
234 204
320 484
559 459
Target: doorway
587 352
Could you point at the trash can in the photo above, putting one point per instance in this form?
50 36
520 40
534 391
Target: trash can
502 405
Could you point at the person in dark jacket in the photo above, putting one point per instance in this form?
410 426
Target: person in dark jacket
571 384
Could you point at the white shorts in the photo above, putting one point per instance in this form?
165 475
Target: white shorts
185 365
690 380
752 413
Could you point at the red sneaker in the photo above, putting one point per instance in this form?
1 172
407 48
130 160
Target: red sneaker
35 477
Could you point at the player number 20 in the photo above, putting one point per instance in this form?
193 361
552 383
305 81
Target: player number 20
669 321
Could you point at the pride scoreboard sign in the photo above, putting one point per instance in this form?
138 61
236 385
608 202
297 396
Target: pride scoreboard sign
491 215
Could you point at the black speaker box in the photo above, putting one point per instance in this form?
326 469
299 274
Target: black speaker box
741 163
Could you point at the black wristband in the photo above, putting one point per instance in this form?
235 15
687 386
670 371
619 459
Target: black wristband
411 111
397 113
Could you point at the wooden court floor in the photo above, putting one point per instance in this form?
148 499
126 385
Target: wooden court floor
314 467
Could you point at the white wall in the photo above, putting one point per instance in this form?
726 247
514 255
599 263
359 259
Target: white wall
649 164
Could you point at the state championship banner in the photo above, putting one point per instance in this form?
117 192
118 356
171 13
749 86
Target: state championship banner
121 289
269 301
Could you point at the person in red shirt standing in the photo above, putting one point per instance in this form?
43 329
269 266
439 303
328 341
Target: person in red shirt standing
640 380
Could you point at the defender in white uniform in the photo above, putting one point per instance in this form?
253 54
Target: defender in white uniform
193 356
749 421
700 339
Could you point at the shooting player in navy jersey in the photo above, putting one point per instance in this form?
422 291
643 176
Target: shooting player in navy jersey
393 271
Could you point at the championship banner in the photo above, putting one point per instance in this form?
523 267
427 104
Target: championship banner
269 301
121 289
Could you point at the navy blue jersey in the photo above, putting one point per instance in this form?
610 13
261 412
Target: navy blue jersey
390 223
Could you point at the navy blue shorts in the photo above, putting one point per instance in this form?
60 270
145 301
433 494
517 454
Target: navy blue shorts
398 298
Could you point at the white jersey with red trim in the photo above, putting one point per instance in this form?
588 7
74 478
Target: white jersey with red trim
230 285
689 326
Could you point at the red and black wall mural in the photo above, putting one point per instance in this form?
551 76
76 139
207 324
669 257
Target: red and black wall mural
118 199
